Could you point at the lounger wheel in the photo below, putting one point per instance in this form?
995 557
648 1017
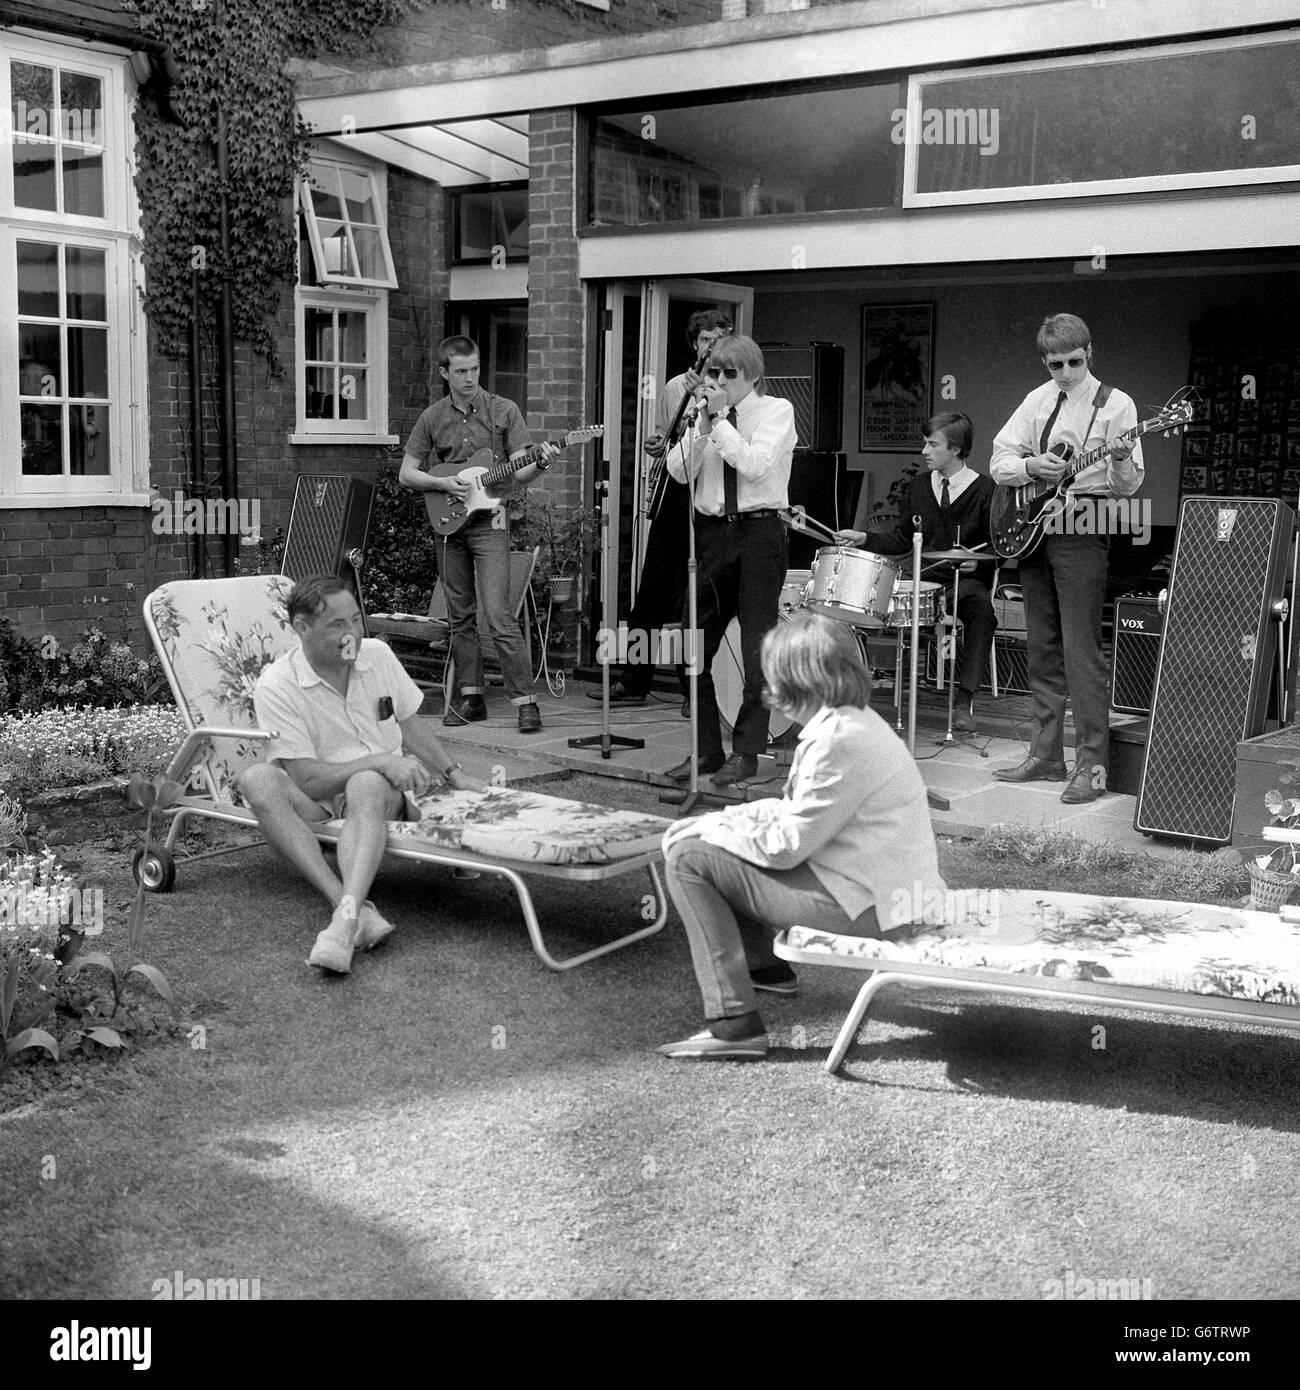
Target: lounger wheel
154 867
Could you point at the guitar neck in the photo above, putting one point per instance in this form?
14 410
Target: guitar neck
1085 461
503 472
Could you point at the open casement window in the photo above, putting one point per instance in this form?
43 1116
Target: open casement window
73 373
347 226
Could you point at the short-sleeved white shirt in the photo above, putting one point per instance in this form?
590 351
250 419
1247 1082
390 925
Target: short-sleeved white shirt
312 720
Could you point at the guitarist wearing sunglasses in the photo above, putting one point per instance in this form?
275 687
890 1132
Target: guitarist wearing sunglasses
1063 575
474 559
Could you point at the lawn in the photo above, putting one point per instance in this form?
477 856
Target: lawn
455 1120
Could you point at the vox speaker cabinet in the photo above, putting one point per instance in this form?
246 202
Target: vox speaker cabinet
331 515
1217 655
1135 653
811 378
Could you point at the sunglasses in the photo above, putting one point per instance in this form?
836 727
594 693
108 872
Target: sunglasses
731 373
1054 364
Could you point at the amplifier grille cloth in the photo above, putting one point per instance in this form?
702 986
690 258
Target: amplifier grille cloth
319 506
1202 698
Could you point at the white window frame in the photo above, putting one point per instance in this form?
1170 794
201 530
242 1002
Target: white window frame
117 235
379 198
1198 179
370 300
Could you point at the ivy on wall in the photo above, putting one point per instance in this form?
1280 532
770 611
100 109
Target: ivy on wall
232 57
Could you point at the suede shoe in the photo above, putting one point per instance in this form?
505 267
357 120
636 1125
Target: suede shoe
1086 784
371 927
619 694
1032 770
704 1047
333 948
469 709
530 718
737 768
682 772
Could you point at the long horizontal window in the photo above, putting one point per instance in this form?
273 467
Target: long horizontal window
1189 116
759 157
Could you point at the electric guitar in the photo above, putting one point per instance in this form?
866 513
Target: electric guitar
488 480
1019 512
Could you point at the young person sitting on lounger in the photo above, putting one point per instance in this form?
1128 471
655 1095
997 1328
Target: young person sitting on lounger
347 743
847 847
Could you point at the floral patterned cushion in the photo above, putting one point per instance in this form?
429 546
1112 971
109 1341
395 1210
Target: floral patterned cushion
213 637
506 823
1191 948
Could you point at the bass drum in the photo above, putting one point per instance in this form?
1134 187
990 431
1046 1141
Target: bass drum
729 669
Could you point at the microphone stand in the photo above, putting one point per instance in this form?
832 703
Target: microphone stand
689 799
604 740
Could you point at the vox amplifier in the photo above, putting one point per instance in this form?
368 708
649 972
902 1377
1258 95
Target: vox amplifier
1135 653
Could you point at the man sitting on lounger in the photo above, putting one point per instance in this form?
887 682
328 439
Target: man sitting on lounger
347 744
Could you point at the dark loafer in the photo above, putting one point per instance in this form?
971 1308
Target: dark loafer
530 719
682 772
469 709
1086 784
619 694
1032 770
737 768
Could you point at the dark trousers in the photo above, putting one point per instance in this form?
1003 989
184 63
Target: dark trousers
662 588
1064 584
742 567
979 622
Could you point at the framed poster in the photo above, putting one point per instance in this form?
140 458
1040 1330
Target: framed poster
897 376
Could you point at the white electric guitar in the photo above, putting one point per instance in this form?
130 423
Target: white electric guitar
487 480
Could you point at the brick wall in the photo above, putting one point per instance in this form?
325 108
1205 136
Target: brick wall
51 559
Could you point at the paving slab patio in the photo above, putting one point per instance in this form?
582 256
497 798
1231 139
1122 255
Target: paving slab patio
960 770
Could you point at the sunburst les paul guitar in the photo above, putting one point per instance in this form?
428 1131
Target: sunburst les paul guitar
1019 513
488 481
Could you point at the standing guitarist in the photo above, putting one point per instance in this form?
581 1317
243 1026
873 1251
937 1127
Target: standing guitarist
663 574
474 562
1064 576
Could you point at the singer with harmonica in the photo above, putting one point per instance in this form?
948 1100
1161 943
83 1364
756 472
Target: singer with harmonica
663 575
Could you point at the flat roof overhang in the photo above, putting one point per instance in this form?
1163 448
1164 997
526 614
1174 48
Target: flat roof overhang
836 42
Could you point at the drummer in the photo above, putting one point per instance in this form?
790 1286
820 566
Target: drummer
952 501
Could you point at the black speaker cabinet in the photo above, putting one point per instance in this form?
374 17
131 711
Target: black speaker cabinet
813 480
331 515
1216 658
811 378
1135 653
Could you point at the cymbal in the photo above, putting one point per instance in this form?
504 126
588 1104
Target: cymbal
956 554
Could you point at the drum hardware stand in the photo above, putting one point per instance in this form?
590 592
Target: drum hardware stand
604 740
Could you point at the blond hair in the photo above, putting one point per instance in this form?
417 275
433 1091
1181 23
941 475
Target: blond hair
810 660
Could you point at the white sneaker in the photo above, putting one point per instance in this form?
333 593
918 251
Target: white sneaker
333 948
371 927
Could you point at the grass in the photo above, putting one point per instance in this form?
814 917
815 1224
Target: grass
455 1120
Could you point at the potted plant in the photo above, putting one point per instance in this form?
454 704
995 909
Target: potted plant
564 539
1273 875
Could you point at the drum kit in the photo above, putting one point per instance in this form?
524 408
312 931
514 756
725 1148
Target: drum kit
863 590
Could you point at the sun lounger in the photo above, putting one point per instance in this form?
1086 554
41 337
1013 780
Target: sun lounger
214 636
1223 963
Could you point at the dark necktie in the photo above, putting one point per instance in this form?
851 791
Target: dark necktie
1051 420
946 499
730 481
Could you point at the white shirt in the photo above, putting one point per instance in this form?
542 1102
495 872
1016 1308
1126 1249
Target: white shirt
760 448
854 810
1020 435
312 720
957 484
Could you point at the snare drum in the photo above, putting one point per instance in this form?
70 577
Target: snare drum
929 604
792 591
852 586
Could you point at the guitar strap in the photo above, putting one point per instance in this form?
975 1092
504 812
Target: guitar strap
1100 399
